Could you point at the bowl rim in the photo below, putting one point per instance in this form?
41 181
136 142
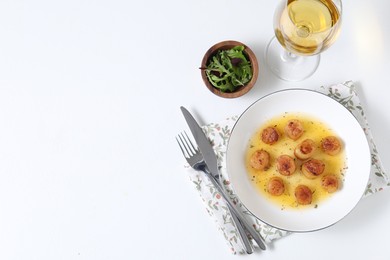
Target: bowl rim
224 45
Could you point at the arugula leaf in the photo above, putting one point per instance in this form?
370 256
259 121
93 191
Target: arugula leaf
229 69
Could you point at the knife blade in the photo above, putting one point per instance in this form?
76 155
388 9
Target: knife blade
204 144
210 158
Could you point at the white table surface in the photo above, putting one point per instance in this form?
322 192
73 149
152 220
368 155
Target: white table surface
89 108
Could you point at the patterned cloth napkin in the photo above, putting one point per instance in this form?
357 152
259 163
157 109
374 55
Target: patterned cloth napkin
218 133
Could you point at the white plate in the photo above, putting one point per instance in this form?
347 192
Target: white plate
331 113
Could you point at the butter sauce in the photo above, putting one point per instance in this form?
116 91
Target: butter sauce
313 129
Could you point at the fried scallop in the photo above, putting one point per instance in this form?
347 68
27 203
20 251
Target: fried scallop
260 160
275 186
285 165
303 195
305 149
270 135
313 168
331 145
294 129
330 183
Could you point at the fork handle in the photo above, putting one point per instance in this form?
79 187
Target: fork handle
241 230
255 235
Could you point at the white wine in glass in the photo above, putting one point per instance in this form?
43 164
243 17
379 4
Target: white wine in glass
303 29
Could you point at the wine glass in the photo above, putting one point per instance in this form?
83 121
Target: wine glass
303 29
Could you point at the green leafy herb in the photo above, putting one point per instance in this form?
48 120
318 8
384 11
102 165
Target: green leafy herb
229 69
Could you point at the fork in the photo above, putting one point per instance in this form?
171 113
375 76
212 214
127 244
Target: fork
196 161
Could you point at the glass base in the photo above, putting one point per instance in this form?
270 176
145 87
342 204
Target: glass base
288 66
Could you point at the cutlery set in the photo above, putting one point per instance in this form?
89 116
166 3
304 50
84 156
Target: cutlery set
201 157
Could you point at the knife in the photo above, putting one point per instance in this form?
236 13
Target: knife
211 161
216 182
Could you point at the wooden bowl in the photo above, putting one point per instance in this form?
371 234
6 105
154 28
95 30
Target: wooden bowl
225 45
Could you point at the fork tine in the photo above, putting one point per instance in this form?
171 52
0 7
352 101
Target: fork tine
185 145
181 146
191 144
191 148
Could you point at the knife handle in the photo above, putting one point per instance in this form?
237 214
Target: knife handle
251 230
